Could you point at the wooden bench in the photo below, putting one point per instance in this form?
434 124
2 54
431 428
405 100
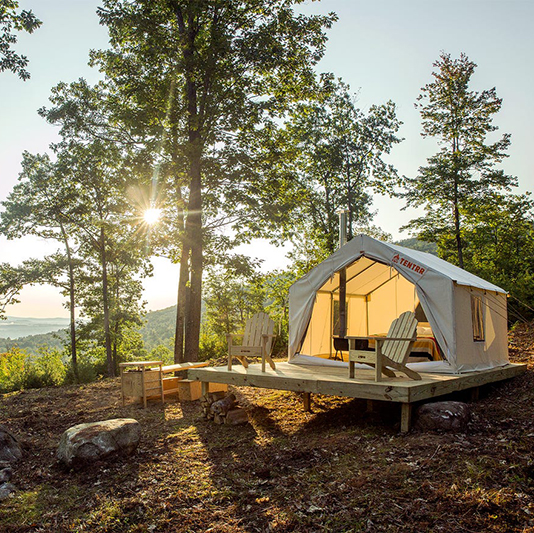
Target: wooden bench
145 380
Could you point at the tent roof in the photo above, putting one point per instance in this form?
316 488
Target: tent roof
454 273
362 245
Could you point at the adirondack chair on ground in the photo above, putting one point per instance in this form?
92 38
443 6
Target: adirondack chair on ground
257 341
392 350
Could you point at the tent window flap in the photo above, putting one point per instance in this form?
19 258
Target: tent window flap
477 316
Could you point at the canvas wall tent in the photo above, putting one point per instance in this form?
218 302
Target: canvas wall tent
466 314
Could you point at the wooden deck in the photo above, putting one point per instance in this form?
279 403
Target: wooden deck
315 379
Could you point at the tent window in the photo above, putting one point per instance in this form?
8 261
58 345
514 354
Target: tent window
335 315
477 316
335 318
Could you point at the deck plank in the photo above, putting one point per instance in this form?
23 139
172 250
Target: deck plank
334 381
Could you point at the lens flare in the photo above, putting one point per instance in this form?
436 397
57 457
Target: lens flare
152 215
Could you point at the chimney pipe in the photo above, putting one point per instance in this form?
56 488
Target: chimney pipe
342 213
342 276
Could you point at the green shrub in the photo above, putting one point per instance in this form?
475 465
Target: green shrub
49 367
211 346
13 367
162 353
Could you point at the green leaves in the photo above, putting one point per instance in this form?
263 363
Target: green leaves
12 21
335 158
463 171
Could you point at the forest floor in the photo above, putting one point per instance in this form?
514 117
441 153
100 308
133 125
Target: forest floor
338 469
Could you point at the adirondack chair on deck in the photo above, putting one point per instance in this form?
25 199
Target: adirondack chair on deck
257 341
392 350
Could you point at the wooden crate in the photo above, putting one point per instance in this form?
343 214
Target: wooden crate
140 381
189 390
170 387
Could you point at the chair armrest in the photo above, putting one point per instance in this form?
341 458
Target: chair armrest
382 339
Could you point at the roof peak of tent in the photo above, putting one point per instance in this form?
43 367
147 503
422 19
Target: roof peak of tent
426 260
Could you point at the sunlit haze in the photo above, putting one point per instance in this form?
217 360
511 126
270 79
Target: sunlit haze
384 49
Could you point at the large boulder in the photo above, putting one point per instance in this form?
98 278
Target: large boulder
10 449
85 443
445 416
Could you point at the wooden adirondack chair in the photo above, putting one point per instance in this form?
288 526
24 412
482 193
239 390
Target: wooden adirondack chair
392 350
257 341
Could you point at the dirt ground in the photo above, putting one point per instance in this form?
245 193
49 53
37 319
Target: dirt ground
338 469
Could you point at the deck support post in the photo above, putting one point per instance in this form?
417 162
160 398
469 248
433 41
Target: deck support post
406 417
306 400
475 394
205 388
370 405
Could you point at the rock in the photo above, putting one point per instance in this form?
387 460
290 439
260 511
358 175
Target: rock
6 489
236 417
85 443
5 475
10 449
446 416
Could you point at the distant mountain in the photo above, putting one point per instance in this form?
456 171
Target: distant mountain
31 333
159 327
17 327
422 246
31 343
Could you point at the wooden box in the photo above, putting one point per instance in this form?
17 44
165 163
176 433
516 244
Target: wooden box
189 390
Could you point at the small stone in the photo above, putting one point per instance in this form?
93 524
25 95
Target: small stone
6 489
445 416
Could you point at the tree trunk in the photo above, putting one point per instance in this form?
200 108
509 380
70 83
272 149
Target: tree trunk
105 304
72 308
188 29
181 305
114 355
456 208
194 236
458 237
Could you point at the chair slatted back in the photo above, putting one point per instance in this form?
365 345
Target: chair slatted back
403 327
256 326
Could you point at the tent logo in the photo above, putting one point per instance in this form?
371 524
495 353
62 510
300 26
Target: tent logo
408 264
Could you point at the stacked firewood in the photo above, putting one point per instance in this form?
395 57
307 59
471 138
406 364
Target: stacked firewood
222 408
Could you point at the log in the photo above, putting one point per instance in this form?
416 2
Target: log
221 407
235 417
215 396
212 397
218 419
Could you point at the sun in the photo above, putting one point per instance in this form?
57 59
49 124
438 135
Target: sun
152 215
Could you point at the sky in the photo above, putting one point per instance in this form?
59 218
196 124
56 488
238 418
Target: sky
384 49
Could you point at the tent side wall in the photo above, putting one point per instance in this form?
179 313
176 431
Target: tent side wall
492 351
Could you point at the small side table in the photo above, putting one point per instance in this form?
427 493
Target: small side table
140 379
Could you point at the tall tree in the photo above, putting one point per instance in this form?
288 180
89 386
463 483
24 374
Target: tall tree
192 76
109 230
42 204
12 21
338 157
464 170
500 246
